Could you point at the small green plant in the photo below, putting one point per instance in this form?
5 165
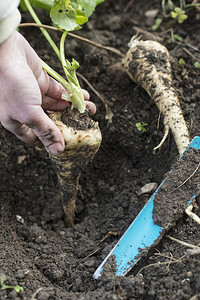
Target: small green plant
197 65
17 288
141 126
157 24
170 4
181 62
179 14
177 37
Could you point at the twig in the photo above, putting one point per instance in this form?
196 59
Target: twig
111 49
197 7
90 254
159 264
165 256
107 235
148 35
97 249
188 52
128 5
186 179
181 242
37 291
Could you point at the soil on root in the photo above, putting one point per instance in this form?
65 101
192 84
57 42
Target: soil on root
37 251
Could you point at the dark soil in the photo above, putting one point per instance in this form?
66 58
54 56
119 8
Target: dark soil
37 251
178 184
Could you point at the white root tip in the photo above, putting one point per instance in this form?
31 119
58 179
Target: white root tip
164 138
192 215
134 40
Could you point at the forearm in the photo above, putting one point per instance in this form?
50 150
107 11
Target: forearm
9 18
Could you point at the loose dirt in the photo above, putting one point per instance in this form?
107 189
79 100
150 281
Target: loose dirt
37 251
178 184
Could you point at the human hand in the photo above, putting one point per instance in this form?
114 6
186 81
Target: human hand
27 92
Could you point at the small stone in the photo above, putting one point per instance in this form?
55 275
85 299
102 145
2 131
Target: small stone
148 188
20 274
89 262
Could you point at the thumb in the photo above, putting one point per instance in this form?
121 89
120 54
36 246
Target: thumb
46 131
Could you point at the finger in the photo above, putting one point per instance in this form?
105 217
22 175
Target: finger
22 131
86 95
49 103
49 86
47 132
91 107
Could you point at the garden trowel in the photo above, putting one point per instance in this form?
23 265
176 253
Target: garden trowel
140 235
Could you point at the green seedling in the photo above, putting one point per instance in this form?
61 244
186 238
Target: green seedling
170 4
17 288
141 126
157 24
179 14
197 65
178 37
181 62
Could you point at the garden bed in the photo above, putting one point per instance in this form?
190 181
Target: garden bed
37 251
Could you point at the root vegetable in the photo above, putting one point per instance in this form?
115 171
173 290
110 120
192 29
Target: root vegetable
82 140
148 64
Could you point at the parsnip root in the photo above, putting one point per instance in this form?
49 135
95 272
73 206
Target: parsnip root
81 144
148 64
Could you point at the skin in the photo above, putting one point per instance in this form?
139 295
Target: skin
28 94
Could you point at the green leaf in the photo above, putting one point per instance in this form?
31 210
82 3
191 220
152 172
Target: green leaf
141 126
45 4
75 65
197 65
170 4
17 288
179 14
157 24
173 14
178 10
86 5
65 16
80 16
182 18
181 62
178 37
69 15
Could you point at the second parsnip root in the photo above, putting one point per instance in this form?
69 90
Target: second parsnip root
82 141
148 64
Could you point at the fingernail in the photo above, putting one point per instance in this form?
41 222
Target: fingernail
56 149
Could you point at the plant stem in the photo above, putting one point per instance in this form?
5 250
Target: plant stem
72 86
75 92
55 75
45 33
62 52
63 60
